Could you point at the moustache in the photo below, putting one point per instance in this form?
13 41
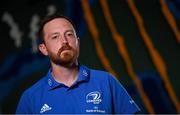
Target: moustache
65 47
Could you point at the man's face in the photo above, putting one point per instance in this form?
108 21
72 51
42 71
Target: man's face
60 42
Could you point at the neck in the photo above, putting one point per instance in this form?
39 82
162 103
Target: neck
64 74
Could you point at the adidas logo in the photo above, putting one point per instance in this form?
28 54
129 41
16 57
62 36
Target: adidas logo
45 108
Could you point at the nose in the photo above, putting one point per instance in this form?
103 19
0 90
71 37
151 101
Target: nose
64 40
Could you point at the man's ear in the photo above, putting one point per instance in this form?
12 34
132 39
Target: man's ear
42 48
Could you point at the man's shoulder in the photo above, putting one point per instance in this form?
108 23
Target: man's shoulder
100 74
35 88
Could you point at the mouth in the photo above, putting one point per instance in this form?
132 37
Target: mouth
66 50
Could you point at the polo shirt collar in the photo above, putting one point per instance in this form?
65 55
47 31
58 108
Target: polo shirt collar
83 76
51 82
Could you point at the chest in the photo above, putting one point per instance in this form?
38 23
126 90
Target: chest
76 100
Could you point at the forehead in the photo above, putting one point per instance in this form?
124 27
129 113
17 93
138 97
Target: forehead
58 23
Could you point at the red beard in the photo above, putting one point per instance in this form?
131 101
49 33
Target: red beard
65 56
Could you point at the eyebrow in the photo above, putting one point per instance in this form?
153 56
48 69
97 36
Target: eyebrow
55 33
69 31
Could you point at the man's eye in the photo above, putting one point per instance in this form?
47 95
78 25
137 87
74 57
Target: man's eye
70 34
54 37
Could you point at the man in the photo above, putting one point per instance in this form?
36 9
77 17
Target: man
69 87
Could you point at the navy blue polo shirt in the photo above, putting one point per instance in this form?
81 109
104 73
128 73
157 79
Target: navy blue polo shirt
93 92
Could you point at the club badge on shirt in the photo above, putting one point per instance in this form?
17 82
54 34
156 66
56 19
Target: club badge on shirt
93 97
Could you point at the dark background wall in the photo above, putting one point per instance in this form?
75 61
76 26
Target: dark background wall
21 64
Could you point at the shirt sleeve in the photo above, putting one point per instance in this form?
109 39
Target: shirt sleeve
122 102
24 105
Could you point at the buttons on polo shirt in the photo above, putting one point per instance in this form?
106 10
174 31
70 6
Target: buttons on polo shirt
49 82
85 73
